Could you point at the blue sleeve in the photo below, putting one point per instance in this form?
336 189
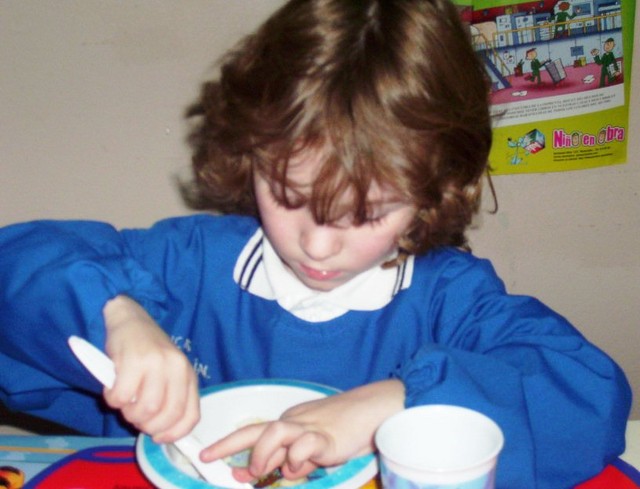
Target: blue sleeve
561 403
55 278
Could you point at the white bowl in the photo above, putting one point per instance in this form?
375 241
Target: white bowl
226 407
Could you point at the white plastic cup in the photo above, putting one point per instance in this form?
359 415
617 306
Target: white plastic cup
439 447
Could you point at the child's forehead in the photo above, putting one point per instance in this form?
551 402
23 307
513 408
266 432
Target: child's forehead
305 166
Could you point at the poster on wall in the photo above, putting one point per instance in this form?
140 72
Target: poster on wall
560 74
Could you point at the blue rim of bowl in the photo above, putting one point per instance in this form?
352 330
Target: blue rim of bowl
157 466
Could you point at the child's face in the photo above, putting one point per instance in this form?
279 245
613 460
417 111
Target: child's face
325 256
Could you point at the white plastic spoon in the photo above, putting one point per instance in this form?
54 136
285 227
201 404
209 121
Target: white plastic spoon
101 367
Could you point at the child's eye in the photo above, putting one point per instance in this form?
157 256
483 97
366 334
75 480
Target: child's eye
288 198
348 221
372 221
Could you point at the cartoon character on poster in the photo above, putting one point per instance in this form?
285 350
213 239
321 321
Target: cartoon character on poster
610 70
532 57
536 66
563 13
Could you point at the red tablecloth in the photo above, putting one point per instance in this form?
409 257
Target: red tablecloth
107 467
618 475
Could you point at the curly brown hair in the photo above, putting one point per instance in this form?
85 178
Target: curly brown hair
391 91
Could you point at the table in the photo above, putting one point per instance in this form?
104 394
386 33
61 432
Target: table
631 454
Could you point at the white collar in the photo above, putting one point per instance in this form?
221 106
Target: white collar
260 271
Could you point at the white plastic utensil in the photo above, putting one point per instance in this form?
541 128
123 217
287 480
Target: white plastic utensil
101 367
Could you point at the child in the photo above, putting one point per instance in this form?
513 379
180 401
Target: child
346 142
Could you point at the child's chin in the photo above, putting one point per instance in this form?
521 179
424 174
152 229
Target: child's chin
321 286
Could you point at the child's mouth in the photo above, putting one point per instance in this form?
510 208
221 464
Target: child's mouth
319 275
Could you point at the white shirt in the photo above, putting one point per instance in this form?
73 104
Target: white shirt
260 271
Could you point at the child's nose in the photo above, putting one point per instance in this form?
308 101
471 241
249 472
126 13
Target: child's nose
321 242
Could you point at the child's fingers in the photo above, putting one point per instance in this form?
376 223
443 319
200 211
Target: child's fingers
272 448
301 471
192 411
242 474
181 417
294 455
170 407
148 404
237 441
276 444
124 391
304 452
276 459
275 435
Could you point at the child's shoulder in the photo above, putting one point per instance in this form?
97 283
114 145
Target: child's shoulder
231 223
450 263
207 229
211 223
448 255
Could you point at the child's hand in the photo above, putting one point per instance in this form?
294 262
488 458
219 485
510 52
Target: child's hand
156 388
325 432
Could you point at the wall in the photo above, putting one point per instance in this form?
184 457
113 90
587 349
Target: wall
92 96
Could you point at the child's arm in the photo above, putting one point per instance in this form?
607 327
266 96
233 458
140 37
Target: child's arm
55 279
560 401
156 388
325 432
